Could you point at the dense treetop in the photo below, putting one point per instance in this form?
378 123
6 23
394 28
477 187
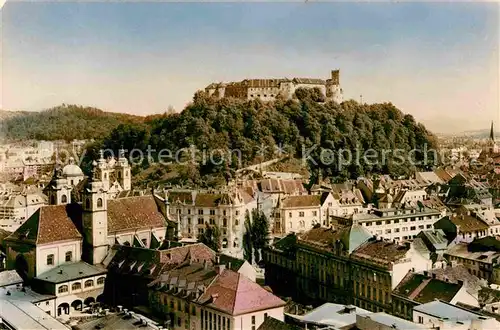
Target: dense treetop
253 128
64 122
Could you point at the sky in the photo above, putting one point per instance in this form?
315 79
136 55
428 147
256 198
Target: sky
436 61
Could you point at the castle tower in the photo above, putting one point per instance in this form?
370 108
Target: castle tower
95 218
333 90
58 190
122 170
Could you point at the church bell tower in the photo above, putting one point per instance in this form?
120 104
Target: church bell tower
95 218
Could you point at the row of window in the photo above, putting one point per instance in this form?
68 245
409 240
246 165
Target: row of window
68 257
412 228
201 221
78 285
396 221
212 321
210 212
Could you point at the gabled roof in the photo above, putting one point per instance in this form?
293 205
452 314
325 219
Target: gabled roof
134 213
351 237
424 289
271 323
49 224
302 201
234 294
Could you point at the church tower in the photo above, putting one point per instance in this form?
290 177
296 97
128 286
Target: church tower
95 218
122 171
58 190
493 148
103 171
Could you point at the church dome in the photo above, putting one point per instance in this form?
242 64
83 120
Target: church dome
72 169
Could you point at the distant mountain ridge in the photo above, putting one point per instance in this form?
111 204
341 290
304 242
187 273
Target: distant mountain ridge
64 122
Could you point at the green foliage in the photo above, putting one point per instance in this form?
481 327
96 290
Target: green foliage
65 122
256 236
211 237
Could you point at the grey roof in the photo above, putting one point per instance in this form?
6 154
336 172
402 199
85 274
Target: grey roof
70 271
436 238
25 315
394 322
10 277
117 321
333 314
447 311
354 236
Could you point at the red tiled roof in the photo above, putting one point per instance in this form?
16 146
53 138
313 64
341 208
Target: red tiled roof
132 213
234 294
302 201
48 224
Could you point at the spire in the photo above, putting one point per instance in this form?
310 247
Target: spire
492 136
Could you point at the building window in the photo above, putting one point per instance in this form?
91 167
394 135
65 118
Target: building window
76 286
87 203
99 202
289 214
412 228
224 222
144 241
212 221
69 256
200 212
100 280
193 311
212 212
64 199
301 214
200 221
378 223
236 222
315 213
50 259
420 320
62 289
89 283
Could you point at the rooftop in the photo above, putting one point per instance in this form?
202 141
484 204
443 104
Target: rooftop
351 237
234 294
423 289
381 252
467 223
70 271
9 277
393 322
274 324
447 311
336 315
118 321
25 315
462 250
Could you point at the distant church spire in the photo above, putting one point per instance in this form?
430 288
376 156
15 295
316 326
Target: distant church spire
492 136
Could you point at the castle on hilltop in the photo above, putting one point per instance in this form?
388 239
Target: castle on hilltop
269 89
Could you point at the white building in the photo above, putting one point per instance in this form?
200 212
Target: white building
194 210
15 208
438 314
194 296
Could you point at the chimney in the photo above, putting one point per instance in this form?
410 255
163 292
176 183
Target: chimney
205 264
229 265
220 268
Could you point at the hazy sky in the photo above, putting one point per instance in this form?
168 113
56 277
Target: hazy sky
439 62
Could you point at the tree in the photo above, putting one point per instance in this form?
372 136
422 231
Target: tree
211 237
247 239
256 236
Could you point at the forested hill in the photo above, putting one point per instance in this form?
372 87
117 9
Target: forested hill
65 122
299 125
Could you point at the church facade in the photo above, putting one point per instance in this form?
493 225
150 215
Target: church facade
60 249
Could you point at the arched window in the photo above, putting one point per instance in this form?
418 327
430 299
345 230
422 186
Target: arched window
87 203
62 289
236 222
119 174
64 199
76 286
224 222
69 256
105 176
99 202
89 283
100 280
